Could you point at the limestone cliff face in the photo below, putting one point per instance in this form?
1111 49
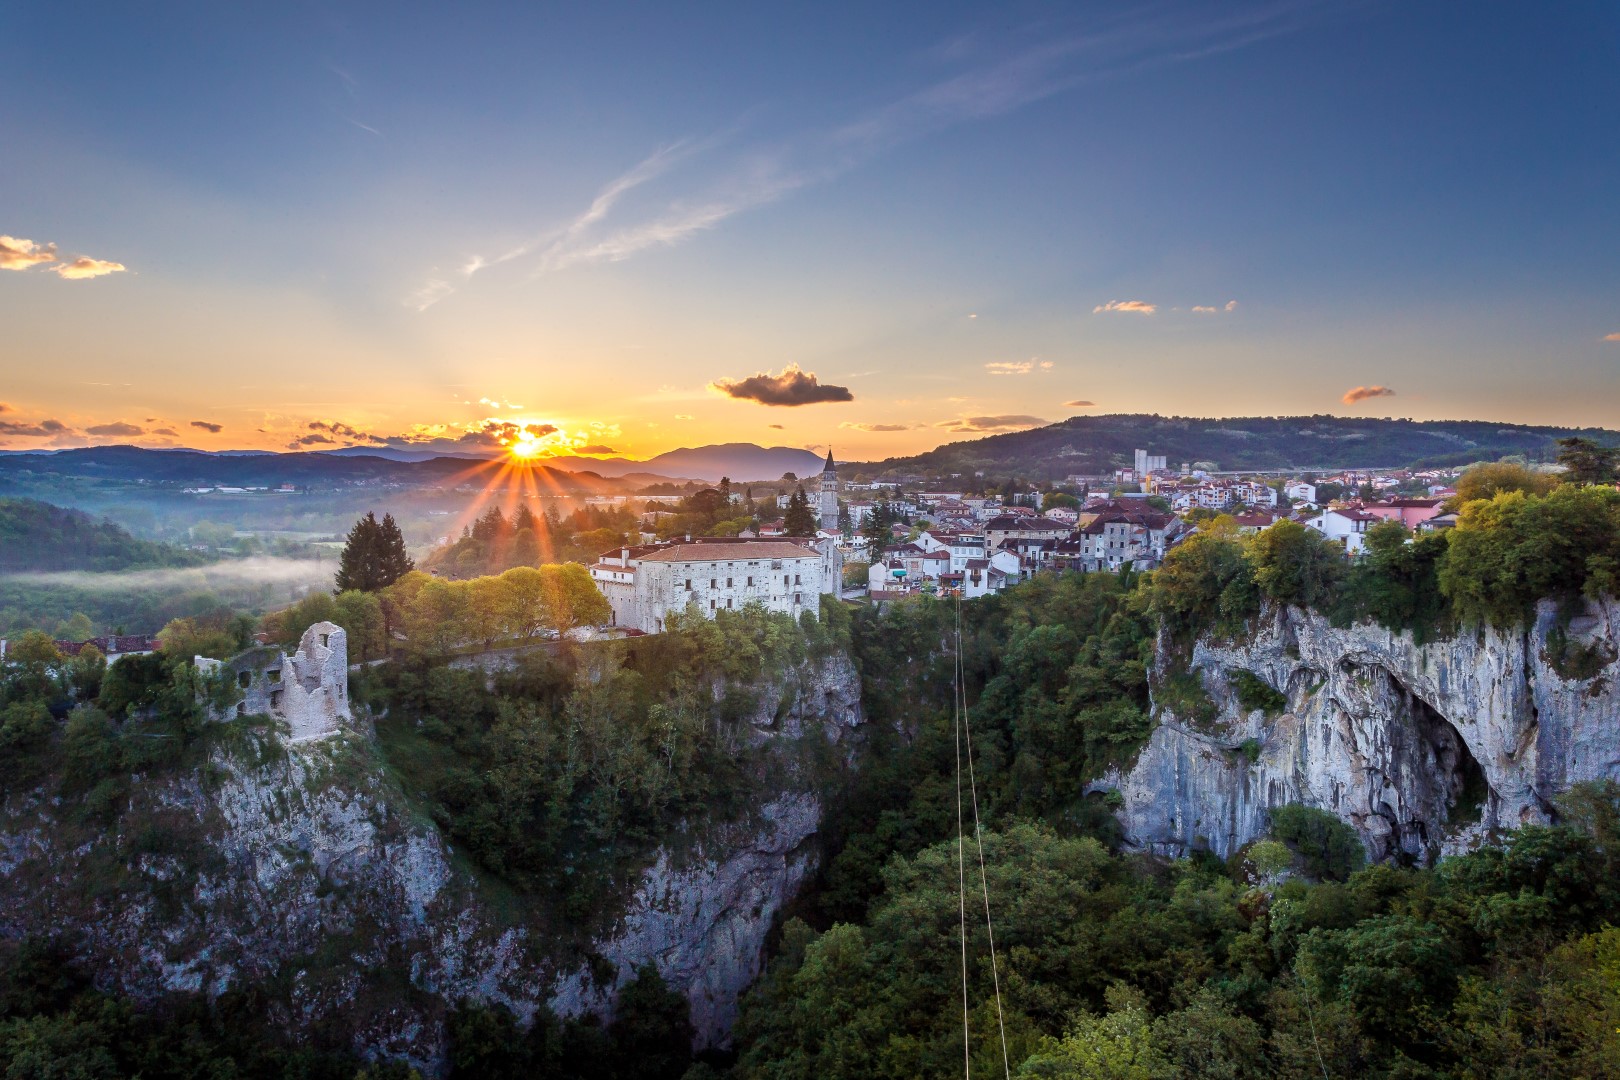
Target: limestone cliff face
303 871
1424 749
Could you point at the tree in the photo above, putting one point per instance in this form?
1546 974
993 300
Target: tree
799 521
1487 480
374 555
1585 462
1295 565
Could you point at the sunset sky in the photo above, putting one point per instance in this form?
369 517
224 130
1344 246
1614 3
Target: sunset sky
627 229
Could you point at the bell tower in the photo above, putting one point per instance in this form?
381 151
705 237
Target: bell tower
829 495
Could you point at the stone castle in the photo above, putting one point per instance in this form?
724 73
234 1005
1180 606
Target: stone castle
308 690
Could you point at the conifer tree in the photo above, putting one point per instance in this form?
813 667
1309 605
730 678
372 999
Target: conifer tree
799 521
374 556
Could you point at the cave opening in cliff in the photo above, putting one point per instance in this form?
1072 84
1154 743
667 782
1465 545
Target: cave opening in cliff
1458 777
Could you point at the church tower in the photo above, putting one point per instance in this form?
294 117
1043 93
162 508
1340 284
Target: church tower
829 495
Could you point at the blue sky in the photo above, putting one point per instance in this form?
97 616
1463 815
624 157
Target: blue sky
413 223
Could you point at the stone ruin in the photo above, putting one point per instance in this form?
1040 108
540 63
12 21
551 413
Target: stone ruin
308 690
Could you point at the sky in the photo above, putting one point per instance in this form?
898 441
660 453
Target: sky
619 229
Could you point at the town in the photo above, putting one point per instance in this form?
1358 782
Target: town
882 540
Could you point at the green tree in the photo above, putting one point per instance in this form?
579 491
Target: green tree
1585 462
799 521
1487 480
374 555
1295 565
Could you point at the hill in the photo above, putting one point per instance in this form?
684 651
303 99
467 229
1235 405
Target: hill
739 461
304 470
1089 445
36 536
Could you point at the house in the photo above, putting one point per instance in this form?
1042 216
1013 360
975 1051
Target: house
644 584
1409 512
1346 525
1028 526
981 578
112 646
1122 535
1300 491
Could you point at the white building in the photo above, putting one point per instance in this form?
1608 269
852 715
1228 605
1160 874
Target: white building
645 584
1147 463
1348 527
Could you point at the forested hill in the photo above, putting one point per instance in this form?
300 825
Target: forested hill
1098 444
38 536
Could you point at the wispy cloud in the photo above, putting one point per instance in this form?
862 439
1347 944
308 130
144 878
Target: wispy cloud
995 82
1132 307
988 424
118 428
1611 337
1199 309
1362 393
854 426
1010 367
1079 405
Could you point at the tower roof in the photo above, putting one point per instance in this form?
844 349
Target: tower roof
829 467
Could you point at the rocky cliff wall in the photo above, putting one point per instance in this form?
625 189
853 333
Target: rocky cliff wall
1424 748
297 867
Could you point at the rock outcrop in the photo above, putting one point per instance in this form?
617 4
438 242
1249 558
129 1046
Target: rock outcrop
297 865
1424 748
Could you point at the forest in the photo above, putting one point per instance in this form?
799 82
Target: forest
1292 958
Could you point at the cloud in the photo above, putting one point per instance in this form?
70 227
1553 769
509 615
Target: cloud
985 424
1199 309
338 430
312 440
84 268
1231 305
853 426
166 431
1010 367
791 388
1138 307
1079 405
1611 337
119 428
683 416
6 408
994 79
39 428
595 448
778 427
19 254
208 426
1362 393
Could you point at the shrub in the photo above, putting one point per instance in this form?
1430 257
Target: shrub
1327 847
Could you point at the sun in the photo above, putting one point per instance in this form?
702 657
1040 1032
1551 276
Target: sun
524 448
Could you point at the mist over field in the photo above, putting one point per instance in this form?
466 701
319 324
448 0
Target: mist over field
296 575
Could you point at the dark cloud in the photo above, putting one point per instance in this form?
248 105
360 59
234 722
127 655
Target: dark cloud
1079 405
119 428
986 424
6 408
778 427
43 427
792 387
214 429
312 440
341 431
1362 393
165 431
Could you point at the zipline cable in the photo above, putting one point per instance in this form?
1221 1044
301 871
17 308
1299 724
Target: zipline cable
978 838
961 861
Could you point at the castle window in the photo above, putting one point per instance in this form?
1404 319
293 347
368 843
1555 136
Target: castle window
275 674
324 639
688 584
750 581
728 583
711 605
796 579
243 678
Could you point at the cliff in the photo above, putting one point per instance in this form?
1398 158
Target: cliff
300 867
1424 748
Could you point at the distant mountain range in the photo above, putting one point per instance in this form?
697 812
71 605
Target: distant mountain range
739 461
193 467
1091 445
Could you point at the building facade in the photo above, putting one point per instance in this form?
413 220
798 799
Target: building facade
644 585
828 495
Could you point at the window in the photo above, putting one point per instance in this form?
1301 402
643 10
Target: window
796 579
324 638
728 585
711 605
275 675
243 678
688 584
728 603
750 581
714 583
